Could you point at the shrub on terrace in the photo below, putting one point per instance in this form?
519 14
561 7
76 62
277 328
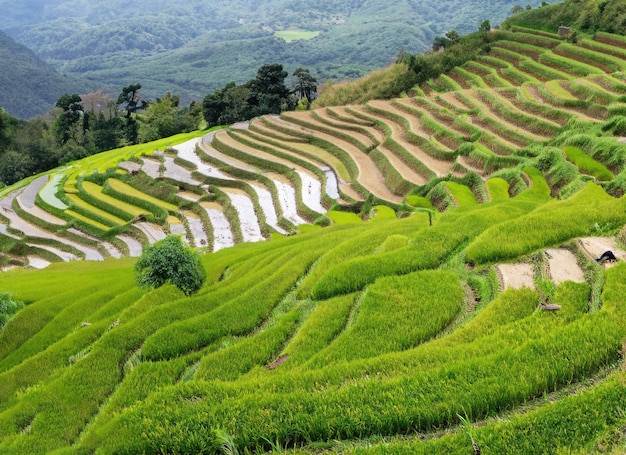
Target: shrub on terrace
8 307
169 260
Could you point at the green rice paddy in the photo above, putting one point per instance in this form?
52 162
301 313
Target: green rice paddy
382 329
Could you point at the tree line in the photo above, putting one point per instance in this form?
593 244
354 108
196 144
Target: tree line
83 125
267 93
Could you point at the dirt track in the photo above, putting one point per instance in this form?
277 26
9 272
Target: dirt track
562 264
515 276
595 246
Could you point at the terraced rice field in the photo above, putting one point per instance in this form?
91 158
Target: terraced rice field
442 293
360 338
275 174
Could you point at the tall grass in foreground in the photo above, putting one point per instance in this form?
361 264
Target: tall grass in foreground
548 355
498 189
327 320
461 194
237 317
254 351
67 403
160 340
582 422
397 313
361 244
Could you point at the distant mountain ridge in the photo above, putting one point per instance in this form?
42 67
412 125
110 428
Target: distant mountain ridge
196 47
29 85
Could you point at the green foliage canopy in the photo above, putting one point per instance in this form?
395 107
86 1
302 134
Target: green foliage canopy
265 94
195 47
169 260
164 118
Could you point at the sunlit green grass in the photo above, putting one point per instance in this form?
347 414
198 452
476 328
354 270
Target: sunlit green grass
88 210
382 212
419 202
294 35
550 225
397 313
338 217
349 336
96 190
587 164
90 221
461 193
498 189
346 359
126 189
103 161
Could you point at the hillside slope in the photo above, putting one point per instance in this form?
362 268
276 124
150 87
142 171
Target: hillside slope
194 48
534 100
333 339
429 280
30 86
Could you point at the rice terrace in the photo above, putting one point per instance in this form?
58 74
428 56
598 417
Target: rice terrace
414 275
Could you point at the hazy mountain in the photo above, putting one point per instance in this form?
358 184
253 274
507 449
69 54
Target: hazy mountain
29 85
194 47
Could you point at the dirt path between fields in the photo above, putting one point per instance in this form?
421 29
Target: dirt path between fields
595 246
515 276
563 266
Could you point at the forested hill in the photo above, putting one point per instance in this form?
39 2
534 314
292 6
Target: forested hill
29 85
195 47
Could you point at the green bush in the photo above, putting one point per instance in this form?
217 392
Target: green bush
8 307
169 260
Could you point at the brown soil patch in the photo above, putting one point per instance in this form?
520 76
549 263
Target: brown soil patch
515 276
313 123
452 102
467 163
491 113
349 117
369 174
533 91
439 167
278 362
375 135
563 266
595 246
